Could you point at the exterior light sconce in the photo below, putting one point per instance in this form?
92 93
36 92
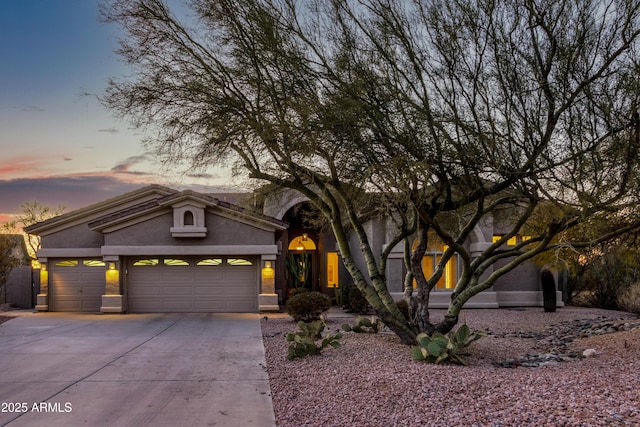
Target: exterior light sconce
267 271
112 266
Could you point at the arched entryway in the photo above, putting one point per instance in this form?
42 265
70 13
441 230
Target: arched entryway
303 245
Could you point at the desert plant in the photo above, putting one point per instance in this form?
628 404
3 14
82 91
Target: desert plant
439 348
357 303
338 292
308 306
363 324
308 340
548 291
298 270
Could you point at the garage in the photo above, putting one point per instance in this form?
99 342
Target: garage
192 284
76 285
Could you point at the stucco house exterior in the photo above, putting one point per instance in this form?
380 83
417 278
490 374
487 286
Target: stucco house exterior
158 249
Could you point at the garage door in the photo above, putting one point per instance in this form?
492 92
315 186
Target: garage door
179 284
76 284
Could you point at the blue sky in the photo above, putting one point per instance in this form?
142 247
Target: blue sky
58 145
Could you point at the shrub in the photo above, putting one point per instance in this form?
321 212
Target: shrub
296 291
308 306
629 299
357 302
304 340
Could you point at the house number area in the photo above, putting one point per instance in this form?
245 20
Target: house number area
47 407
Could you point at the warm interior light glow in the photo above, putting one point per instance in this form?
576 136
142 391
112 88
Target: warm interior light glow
112 266
267 264
302 243
332 269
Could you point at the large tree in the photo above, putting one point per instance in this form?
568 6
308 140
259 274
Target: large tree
451 111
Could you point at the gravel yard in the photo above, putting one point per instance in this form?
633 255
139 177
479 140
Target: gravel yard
372 380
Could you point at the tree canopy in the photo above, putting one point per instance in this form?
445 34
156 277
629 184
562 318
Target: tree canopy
449 110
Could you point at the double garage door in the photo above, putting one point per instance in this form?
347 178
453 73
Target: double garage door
192 284
159 284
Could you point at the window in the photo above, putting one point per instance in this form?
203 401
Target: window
174 262
511 241
332 269
188 218
302 243
238 261
93 263
146 262
431 260
210 261
67 263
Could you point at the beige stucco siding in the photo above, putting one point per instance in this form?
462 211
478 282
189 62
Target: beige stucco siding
220 231
78 236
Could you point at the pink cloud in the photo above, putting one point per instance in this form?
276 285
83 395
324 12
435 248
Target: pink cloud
17 166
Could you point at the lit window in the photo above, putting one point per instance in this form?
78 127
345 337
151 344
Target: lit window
173 262
525 238
238 261
332 269
93 263
67 263
210 261
510 242
302 243
146 262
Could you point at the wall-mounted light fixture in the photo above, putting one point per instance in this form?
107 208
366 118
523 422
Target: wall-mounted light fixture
112 266
267 270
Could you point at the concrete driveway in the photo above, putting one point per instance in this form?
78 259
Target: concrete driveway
133 370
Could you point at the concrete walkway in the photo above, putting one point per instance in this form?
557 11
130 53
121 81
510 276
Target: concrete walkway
133 370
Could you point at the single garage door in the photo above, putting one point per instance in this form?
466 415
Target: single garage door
204 284
76 284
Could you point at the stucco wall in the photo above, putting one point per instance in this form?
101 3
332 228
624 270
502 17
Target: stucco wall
522 278
79 236
220 231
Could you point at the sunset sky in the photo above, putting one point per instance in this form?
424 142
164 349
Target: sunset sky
57 144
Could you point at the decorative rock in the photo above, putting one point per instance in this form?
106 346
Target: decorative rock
554 341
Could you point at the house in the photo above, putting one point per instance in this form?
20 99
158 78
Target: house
157 249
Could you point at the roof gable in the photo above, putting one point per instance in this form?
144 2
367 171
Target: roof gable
188 198
97 210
